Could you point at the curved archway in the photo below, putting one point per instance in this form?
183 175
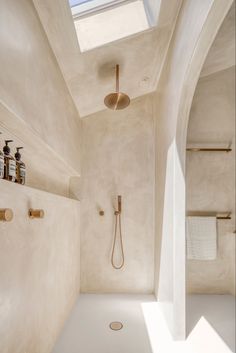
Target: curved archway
196 28
210 187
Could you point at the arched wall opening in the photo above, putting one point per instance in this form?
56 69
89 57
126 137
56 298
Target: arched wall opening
196 28
210 190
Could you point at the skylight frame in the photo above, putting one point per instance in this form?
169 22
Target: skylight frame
94 6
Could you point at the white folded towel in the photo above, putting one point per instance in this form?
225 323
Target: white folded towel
201 238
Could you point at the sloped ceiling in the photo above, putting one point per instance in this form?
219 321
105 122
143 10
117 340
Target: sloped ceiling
222 53
90 75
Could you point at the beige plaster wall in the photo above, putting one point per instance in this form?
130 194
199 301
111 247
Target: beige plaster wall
39 262
222 52
118 158
34 93
210 178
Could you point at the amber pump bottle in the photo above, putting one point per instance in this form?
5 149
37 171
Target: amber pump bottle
20 167
9 163
1 164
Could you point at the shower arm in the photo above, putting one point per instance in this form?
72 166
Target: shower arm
117 81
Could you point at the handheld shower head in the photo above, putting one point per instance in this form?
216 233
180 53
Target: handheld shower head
118 237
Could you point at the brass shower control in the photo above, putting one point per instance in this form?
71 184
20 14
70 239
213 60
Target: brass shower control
101 213
36 213
6 214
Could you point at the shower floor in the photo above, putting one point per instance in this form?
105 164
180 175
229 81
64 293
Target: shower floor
87 330
210 320
218 310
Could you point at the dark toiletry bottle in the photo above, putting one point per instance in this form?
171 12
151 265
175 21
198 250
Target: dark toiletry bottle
1 164
20 167
9 163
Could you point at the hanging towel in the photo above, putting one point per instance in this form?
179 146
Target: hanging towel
201 238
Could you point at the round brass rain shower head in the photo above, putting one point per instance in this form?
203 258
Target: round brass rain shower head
117 100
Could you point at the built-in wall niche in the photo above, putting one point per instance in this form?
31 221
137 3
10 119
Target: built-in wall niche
45 168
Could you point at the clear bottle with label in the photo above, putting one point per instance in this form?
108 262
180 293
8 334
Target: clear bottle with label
20 167
9 163
1 164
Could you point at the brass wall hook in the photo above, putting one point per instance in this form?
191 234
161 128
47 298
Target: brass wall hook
36 213
6 214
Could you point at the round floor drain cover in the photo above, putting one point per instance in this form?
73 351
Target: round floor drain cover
116 325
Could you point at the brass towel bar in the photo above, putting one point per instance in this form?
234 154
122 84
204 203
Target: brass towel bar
201 149
219 215
224 217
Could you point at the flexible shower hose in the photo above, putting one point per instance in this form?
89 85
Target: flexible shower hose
118 220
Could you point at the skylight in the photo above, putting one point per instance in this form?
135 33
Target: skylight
81 7
99 22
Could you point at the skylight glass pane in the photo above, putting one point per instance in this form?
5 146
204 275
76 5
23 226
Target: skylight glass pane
79 7
78 2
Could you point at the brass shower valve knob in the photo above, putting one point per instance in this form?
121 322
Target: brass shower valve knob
36 213
6 214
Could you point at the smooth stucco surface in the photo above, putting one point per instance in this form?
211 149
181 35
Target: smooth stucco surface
35 103
39 261
118 159
222 52
41 269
